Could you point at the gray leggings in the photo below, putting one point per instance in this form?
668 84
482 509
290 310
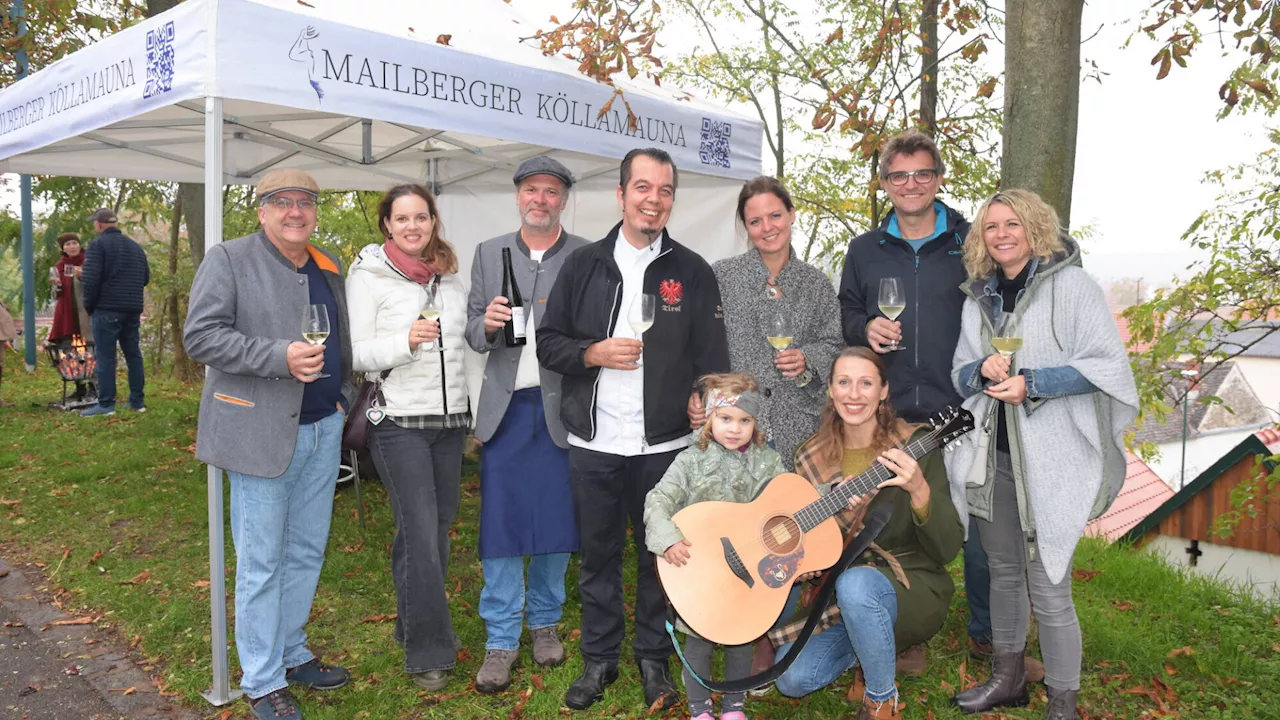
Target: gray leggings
1012 573
737 665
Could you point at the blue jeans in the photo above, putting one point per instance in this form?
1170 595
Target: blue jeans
109 328
977 584
505 605
869 607
281 527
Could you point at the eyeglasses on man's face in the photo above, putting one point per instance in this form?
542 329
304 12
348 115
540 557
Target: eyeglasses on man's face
923 177
287 204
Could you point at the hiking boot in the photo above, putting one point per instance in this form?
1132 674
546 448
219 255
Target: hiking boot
588 689
1062 704
911 661
317 676
1006 688
980 649
547 650
276 705
431 680
495 673
872 710
1035 669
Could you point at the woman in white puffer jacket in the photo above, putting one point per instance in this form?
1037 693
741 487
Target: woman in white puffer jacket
417 447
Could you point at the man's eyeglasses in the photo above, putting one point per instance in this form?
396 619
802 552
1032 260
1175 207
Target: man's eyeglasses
923 177
284 203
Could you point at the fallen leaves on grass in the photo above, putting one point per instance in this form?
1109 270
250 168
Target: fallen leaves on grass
653 709
1122 606
225 715
133 641
202 584
138 579
96 557
518 710
1170 670
11 503
1184 650
385 617
1083 575
71 621
536 681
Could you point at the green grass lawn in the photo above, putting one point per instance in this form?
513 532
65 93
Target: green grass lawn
113 511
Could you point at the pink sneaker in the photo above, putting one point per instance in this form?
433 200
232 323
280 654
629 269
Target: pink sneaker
705 716
735 715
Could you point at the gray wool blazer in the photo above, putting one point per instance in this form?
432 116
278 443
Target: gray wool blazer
535 281
246 306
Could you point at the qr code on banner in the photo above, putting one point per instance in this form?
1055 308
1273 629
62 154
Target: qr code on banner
159 60
714 148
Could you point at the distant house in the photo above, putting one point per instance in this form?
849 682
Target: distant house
1142 494
1258 345
1180 529
1211 429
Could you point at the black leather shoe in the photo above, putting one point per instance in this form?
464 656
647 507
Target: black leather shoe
656 677
588 689
1006 688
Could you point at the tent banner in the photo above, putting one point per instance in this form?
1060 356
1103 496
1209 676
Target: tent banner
155 63
284 58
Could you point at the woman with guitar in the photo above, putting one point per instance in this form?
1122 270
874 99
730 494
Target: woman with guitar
899 592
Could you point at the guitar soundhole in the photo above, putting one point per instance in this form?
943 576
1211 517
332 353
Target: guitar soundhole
782 535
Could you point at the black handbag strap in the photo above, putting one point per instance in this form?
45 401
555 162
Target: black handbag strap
873 522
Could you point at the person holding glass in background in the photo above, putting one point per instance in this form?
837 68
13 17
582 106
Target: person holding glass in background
69 316
395 290
1061 401
781 317
279 440
919 242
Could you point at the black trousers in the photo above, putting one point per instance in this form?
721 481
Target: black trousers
607 489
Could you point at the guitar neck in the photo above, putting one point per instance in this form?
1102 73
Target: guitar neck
838 498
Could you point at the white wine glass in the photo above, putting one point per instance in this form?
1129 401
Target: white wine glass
892 302
315 330
781 335
432 306
1007 341
640 317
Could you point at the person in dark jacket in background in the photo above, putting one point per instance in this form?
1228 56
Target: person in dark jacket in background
628 415
114 273
920 242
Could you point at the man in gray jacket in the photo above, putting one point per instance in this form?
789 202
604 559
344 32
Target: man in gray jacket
526 504
273 420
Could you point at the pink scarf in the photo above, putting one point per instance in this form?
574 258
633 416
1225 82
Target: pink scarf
413 268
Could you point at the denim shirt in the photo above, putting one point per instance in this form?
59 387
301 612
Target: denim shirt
1042 383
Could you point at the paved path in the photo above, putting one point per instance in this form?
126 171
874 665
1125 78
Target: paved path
71 672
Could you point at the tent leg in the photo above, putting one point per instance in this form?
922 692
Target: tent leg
28 278
221 692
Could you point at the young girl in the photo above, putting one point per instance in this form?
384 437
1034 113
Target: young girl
729 463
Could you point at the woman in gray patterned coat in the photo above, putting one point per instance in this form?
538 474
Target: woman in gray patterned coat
755 285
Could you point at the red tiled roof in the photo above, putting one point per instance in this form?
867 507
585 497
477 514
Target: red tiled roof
1123 325
1142 493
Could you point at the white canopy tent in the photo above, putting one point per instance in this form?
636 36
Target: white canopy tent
362 96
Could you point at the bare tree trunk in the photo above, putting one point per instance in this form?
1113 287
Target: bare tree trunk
183 366
192 195
779 156
1041 99
929 68
872 187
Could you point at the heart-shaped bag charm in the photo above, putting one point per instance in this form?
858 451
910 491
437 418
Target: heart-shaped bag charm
375 415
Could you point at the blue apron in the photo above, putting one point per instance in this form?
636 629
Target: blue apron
526 504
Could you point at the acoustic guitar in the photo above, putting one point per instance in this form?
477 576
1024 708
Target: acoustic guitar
745 556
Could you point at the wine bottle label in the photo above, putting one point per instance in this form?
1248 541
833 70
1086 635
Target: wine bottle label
518 321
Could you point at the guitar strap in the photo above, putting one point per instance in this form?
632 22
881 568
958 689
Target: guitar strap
873 522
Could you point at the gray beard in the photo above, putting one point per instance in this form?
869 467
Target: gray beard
552 221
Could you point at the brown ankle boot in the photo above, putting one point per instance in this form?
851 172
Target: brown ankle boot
872 710
1006 688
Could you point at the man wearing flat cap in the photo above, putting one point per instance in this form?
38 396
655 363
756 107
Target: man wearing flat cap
271 415
114 274
526 504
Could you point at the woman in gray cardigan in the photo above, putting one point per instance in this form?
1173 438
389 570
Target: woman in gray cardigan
1049 455
754 286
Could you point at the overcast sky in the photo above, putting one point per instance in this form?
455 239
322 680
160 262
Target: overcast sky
1143 145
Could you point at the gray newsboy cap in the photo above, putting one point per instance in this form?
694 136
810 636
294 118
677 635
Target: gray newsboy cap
103 215
543 165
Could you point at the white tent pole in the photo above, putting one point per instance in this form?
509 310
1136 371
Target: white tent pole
221 692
